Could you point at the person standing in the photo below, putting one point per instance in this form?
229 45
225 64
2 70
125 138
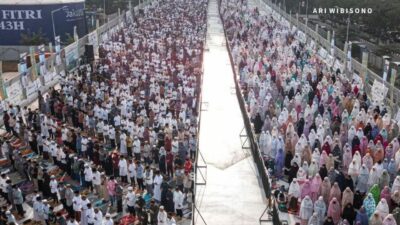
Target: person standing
54 188
119 195
77 205
111 187
18 200
132 172
178 202
139 175
131 200
123 169
96 181
158 179
108 220
88 177
162 216
149 180
90 215
69 196
98 217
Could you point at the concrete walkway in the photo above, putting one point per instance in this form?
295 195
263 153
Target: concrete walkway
233 193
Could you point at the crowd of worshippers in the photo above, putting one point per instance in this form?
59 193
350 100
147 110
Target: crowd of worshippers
320 132
124 130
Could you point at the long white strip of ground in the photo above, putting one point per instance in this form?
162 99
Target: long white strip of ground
233 193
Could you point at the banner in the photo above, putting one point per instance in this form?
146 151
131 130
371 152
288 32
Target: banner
22 68
378 91
33 62
14 92
386 69
349 66
58 51
322 52
42 60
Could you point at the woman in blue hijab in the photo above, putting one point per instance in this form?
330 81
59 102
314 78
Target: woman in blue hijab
279 163
369 205
361 217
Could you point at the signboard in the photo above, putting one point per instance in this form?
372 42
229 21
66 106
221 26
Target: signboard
71 56
14 92
24 19
302 36
322 52
48 77
378 91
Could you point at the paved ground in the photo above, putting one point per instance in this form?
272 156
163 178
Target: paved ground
233 193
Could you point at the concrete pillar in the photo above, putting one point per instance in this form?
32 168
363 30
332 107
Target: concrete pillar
364 62
328 38
97 23
3 93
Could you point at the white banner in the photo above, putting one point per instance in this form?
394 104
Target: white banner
322 52
14 92
378 91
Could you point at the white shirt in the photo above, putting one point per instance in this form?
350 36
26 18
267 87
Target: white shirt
131 198
88 174
77 203
90 215
53 186
162 218
132 170
108 222
97 178
98 217
123 167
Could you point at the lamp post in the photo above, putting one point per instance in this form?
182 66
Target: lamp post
52 21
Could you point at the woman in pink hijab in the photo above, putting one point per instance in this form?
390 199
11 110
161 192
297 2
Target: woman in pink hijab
389 220
385 193
335 192
323 158
325 190
315 186
347 158
334 210
363 145
306 189
368 161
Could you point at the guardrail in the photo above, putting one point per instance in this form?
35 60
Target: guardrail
393 96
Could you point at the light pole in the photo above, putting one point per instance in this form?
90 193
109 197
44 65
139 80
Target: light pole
52 21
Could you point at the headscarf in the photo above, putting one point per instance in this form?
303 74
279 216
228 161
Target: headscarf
384 179
375 219
373 177
279 162
320 208
396 184
376 192
306 208
396 197
385 193
306 189
313 168
362 217
389 220
349 213
369 205
314 220
325 190
334 210
348 197
335 192
315 186
368 161
363 178
294 189
382 208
